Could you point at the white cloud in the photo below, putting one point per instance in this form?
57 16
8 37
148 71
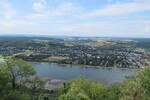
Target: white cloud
67 7
61 10
38 6
144 17
38 16
109 0
6 10
139 28
142 1
13 23
43 1
61 19
120 9
109 28
147 29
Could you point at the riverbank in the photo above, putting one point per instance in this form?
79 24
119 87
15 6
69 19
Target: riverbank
86 66
90 66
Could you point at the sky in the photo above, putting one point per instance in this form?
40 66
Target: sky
102 18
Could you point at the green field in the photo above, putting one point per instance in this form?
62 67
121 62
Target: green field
1 56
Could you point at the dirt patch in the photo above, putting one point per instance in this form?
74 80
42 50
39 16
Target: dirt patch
55 58
53 84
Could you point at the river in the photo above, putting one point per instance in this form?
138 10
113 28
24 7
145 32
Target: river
2 60
107 75
67 72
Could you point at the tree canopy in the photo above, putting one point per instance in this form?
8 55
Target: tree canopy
16 82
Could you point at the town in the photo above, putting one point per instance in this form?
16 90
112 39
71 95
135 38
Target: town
103 52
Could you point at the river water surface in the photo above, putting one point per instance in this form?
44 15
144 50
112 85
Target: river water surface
107 75
2 60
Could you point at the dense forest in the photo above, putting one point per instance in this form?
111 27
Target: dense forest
17 82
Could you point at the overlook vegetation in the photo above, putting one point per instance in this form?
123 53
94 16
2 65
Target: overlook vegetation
17 82
134 88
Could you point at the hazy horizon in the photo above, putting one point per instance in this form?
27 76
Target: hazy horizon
61 36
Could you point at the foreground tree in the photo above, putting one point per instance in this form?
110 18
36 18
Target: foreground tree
144 79
18 69
75 93
34 83
131 90
83 89
4 80
114 91
16 82
134 88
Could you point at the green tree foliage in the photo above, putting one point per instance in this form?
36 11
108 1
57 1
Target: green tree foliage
130 90
74 93
18 69
4 79
134 88
33 58
114 91
83 88
144 78
35 82
16 82
19 95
